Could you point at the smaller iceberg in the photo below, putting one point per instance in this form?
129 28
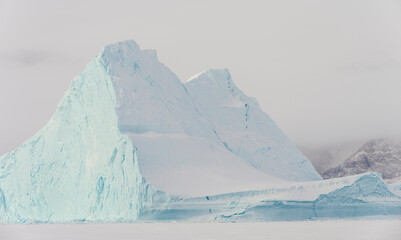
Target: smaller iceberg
353 197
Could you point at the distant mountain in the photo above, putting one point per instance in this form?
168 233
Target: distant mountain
379 155
331 155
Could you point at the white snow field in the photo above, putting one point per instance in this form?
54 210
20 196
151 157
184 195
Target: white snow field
130 142
192 166
307 230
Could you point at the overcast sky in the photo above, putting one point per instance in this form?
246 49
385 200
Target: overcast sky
325 71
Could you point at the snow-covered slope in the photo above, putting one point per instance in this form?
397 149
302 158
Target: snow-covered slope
192 166
245 129
378 155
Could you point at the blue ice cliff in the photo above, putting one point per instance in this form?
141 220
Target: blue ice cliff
79 166
129 141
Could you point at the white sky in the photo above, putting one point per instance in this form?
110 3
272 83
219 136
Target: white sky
325 71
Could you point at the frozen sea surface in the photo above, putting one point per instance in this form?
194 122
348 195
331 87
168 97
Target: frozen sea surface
335 229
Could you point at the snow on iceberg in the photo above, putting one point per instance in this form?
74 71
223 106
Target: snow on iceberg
189 166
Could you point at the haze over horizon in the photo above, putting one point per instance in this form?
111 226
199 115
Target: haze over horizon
325 71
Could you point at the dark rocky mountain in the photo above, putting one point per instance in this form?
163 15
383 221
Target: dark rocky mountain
379 155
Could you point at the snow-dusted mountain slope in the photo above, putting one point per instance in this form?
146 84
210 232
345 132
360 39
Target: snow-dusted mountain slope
378 155
245 129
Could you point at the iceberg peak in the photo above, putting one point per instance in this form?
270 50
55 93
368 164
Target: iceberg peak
215 78
211 73
127 45
219 86
127 57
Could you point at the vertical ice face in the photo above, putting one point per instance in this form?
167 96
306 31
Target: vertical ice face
149 96
245 129
79 166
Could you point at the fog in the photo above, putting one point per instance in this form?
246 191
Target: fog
325 71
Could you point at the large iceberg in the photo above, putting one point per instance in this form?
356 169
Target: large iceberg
130 142
79 166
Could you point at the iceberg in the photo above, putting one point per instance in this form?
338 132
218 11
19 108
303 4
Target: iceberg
79 166
357 196
130 142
